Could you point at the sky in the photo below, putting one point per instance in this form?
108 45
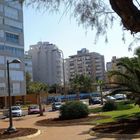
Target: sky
68 36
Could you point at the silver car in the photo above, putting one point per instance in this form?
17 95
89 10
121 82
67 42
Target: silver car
16 111
56 106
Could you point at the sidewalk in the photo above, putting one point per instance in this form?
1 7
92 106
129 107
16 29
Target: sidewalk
77 132
51 133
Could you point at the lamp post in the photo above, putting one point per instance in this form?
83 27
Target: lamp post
11 128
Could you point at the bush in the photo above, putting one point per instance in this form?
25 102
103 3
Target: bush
73 110
109 106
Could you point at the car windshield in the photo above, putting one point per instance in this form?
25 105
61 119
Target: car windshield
15 108
33 107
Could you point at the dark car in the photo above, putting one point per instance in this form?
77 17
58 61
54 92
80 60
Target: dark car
34 109
95 100
56 106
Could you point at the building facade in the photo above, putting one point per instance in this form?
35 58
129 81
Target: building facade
11 47
87 63
47 63
28 65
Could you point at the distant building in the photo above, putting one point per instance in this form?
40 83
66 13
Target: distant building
11 47
113 64
47 63
87 63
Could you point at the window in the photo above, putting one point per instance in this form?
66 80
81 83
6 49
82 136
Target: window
1 73
12 37
1 8
16 75
1 59
15 4
17 52
16 88
1 20
13 23
11 13
1 34
2 88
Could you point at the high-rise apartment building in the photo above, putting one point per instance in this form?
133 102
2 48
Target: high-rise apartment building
11 47
47 63
87 63
28 65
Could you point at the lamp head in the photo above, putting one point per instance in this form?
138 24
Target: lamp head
15 61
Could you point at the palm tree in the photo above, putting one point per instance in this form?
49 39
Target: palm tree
129 79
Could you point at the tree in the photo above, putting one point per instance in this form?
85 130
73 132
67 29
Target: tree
81 83
129 79
95 13
55 88
28 80
38 88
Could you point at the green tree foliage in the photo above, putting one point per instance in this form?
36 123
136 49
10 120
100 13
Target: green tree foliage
90 13
81 83
55 88
37 87
73 110
129 79
28 80
97 14
109 106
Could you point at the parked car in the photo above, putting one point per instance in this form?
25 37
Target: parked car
34 109
16 111
110 98
96 100
56 106
120 96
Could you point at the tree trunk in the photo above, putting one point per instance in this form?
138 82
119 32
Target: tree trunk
129 14
40 106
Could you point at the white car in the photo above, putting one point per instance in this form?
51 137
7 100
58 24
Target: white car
120 96
16 111
110 98
56 106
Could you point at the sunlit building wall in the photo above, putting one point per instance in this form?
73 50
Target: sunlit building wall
47 63
11 47
87 63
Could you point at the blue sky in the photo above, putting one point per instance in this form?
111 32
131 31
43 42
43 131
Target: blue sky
69 37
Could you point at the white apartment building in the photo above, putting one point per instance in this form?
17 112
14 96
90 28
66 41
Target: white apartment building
28 64
11 47
47 63
87 63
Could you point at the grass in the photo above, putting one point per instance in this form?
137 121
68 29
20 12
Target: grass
124 111
123 105
119 114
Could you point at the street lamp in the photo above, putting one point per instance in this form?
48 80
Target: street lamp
11 128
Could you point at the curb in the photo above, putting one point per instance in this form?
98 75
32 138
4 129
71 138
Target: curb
25 137
109 135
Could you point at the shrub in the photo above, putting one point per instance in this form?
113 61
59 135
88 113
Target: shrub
73 110
109 106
